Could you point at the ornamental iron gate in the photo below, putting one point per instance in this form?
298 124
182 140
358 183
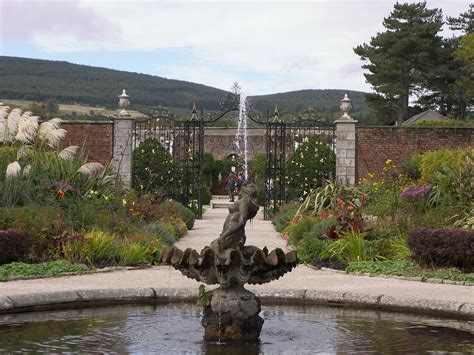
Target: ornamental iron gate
183 140
282 141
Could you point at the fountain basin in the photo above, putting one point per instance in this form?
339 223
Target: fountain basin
176 328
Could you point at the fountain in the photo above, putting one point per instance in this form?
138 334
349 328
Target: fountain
231 313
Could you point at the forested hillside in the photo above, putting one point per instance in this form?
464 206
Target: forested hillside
39 80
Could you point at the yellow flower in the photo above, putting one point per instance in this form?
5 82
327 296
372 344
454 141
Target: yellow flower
388 161
370 175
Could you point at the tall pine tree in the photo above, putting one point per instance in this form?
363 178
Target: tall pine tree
399 59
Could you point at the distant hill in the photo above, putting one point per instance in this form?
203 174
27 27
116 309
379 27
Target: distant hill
34 79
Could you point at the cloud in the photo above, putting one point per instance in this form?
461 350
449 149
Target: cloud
64 21
267 46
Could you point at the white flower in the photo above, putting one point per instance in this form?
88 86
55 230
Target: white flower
13 170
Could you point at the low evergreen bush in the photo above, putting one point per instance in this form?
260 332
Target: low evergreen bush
452 247
15 245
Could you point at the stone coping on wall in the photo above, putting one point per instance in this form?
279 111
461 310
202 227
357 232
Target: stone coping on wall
95 297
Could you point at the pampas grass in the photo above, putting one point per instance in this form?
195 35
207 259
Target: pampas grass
69 153
27 128
91 169
23 151
12 124
3 122
13 170
50 132
26 170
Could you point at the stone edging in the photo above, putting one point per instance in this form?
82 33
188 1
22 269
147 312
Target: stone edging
407 278
94 297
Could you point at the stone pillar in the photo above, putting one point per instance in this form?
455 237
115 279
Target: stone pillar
122 152
346 145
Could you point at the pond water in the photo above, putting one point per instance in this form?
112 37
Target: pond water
177 329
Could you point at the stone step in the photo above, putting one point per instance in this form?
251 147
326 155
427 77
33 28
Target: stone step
220 197
221 203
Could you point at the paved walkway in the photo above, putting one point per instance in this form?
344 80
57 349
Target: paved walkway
303 285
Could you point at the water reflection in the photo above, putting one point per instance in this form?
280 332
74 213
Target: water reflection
177 329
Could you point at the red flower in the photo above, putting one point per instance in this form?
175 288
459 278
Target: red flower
60 194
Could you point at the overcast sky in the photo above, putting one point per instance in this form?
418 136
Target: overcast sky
267 46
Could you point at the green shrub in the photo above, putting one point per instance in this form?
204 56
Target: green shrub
413 167
451 171
175 209
310 248
101 249
15 245
154 168
284 216
132 253
158 230
74 249
296 231
351 247
311 164
206 196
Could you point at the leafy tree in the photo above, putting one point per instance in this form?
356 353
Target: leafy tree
464 85
399 59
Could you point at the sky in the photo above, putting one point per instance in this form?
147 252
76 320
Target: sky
267 46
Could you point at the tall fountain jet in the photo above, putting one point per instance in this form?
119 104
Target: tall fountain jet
232 313
241 138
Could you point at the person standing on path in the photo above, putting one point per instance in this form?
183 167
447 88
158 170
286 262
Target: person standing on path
231 186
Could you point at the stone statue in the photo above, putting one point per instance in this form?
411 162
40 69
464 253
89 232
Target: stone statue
231 313
233 232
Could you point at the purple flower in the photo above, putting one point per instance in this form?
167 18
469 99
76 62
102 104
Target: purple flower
60 185
414 191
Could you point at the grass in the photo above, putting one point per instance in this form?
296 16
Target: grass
68 109
408 269
52 268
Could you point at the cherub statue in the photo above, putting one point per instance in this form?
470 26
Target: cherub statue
233 232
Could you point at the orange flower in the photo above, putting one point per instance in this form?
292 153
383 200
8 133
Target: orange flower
341 203
350 207
363 196
60 194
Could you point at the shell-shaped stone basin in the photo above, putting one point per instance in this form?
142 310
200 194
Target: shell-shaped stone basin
248 264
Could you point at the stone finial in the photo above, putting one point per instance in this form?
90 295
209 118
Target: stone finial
346 106
123 104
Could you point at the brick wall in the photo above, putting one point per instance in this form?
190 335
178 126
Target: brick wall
97 137
374 145
219 141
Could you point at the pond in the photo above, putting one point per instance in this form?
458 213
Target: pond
177 329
